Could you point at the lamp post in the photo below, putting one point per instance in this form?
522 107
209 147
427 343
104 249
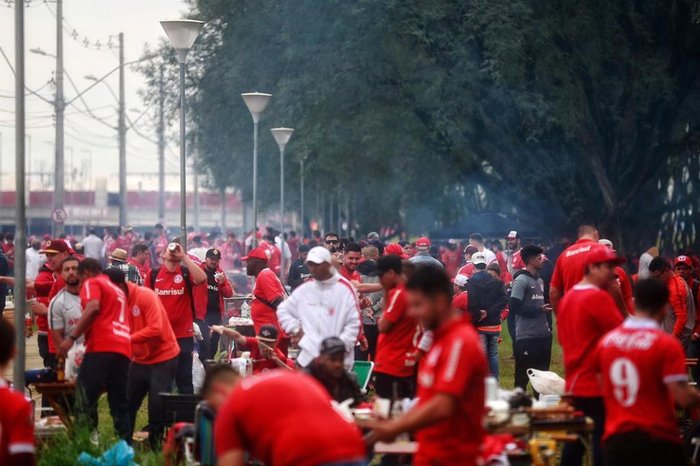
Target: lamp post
282 136
302 159
182 33
256 103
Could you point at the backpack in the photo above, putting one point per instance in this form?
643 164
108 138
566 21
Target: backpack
185 277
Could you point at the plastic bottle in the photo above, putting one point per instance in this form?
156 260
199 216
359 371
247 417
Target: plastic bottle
248 363
61 370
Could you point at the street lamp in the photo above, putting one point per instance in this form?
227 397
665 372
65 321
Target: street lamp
182 33
302 159
256 103
282 136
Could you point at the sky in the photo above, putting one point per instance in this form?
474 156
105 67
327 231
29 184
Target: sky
90 146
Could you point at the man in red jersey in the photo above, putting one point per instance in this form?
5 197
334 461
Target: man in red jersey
398 335
586 313
461 298
351 259
105 324
154 353
643 375
261 415
468 269
622 280
268 292
514 261
141 259
173 284
448 419
680 318
263 348
16 425
568 271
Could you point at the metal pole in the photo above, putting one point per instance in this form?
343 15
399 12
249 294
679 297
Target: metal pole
20 287
195 158
161 149
303 224
0 162
122 136
255 181
282 261
59 105
183 165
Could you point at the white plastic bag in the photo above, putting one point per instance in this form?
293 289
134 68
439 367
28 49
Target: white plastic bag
197 372
546 382
74 359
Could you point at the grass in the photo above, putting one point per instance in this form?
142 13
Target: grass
507 363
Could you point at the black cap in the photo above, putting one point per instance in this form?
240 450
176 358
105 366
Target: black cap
213 253
333 345
268 333
304 248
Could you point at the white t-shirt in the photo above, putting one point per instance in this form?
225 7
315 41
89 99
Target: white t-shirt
65 312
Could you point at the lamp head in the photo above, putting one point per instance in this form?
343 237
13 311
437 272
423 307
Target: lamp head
282 136
182 33
256 103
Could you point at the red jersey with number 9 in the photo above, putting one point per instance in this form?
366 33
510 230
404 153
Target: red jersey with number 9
109 331
16 426
636 361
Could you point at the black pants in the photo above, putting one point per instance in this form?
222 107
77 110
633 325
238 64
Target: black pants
150 379
594 408
511 331
50 361
531 353
371 333
100 371
641 449
391 387
183 376
210 342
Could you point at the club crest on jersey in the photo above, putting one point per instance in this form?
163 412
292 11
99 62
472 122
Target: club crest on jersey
135 311
178 279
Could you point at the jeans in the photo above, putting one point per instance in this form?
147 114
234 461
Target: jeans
100 371
593 407
490 342
151 380
210 342
183 375
532 353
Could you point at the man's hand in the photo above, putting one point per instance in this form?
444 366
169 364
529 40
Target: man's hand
379 431
364 344
695 336
217 329
546 308
296 337
65 346
38 308
482 315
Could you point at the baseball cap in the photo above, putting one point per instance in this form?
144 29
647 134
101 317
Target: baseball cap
257 253
602 254
478 258
396 250
55 246
423 243
683 260
213 253
373 236
319 255
513 235
607 243
118 255
332 345
267 333
471 250
460 280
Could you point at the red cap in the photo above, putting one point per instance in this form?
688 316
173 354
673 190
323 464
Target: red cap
601 254
55 246
423 242
396 250
257 253
685 260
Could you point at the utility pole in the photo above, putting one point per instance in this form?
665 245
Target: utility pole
59 106
195 178
161 148
122 137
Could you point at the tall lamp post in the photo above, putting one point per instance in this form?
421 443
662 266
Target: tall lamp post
182 33
302 159
282 136
256 103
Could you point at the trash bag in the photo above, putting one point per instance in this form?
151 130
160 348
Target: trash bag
197 372
121 454
546 382
73 360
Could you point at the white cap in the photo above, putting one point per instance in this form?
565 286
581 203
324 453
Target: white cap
606 242
319 255
512 235
460 280
479 258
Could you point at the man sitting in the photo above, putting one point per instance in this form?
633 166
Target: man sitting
263 348
329 370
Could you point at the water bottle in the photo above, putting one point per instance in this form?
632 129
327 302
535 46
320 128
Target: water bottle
248 363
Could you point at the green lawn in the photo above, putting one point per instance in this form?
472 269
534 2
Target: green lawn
507 363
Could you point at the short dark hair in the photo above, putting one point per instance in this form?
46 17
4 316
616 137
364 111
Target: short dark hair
353 247
659 264
390 262
587 229
116 276
219 372
7 341
530 252
430 280
138 248
477 237
650 295
90 265
331 233
69 259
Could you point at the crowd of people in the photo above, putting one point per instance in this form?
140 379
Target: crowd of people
429 316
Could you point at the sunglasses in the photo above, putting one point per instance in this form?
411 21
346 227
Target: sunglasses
332 241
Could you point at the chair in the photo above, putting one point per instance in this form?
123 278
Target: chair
363 371
204 434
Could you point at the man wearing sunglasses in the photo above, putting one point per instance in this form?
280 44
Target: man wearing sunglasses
331 242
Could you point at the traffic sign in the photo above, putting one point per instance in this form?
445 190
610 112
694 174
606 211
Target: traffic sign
59 215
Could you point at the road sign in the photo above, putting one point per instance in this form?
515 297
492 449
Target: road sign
59 215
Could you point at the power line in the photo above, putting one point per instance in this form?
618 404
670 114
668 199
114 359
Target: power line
83 40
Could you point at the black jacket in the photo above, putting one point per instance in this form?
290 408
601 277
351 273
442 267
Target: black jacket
488 293
340 389
298 274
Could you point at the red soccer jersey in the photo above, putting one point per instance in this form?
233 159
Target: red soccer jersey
353 276
176 297
571 265
461 303
585 314
152 337
16 426
456 366
109 332
395 348
261 364
517 261
42 287
268 288
636 361
468 270
258 420
626 289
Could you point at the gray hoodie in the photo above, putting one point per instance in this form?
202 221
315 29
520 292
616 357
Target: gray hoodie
526 301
